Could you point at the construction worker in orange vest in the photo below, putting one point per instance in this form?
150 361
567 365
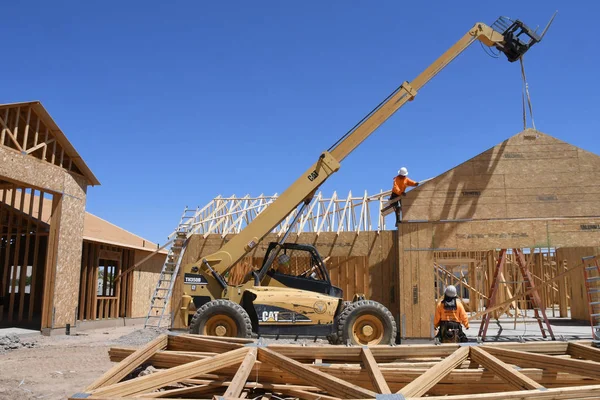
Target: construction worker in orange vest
401 182
449 315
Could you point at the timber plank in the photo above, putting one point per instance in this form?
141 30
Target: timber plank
124 368
159 379
239 380
423 383
331 384
374 372
509 374
542 361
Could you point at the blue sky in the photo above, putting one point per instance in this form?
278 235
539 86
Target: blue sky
172 103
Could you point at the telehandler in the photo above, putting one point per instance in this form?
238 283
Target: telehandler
275 301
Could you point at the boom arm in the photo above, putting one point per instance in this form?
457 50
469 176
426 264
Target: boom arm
303 189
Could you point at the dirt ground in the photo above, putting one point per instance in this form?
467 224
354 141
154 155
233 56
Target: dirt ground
60 366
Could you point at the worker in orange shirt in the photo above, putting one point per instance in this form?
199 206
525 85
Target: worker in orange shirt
449 315
401 182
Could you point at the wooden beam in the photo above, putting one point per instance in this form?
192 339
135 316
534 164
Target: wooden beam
423 383
125 367
36 259
40 145
510 375
239 380
542 361
330 384
375 374
198 343
159 379
26 260
587 352
6 130
26 135
16 259
577 392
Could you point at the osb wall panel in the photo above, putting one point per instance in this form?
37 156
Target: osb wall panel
527 176
416 281
572 257
364 263
145 279
485 235
70 239
32 172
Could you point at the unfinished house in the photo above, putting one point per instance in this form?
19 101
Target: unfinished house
528 206
60 266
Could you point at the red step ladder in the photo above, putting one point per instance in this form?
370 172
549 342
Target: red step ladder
533 296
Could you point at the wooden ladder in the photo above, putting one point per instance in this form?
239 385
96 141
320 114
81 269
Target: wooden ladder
157 318
533 297
591 273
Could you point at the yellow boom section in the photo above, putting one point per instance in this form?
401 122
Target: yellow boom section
304 187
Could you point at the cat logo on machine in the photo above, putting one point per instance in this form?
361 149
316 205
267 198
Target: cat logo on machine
320 307
270 316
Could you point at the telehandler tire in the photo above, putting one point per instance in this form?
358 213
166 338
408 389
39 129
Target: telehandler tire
333 338
221 318
366 323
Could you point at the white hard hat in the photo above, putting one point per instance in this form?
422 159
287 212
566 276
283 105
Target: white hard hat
283 259
450 291
403 171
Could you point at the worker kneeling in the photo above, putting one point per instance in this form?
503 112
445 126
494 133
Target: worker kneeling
449 315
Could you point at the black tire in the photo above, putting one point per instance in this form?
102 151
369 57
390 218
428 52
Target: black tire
360 311
228 311
333 338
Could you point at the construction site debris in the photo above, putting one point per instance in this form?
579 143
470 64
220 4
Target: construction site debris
13 342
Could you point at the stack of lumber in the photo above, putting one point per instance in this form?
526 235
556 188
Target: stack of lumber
203 367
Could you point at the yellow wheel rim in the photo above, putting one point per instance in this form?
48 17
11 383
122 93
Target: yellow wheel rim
220 325
368 330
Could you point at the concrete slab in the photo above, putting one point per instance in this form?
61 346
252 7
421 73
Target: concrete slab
19 332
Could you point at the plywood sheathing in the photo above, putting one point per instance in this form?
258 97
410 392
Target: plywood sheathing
530 175
579 301
416 281
499 234
359 264
70 236
145 279
418 241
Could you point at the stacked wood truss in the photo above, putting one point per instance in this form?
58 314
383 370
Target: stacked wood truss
201 367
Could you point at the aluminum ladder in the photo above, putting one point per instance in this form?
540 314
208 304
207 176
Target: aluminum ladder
591 273
159 302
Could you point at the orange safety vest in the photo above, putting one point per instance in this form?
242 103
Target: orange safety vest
458 315
401 183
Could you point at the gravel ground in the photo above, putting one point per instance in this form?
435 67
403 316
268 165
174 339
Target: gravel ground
13 342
